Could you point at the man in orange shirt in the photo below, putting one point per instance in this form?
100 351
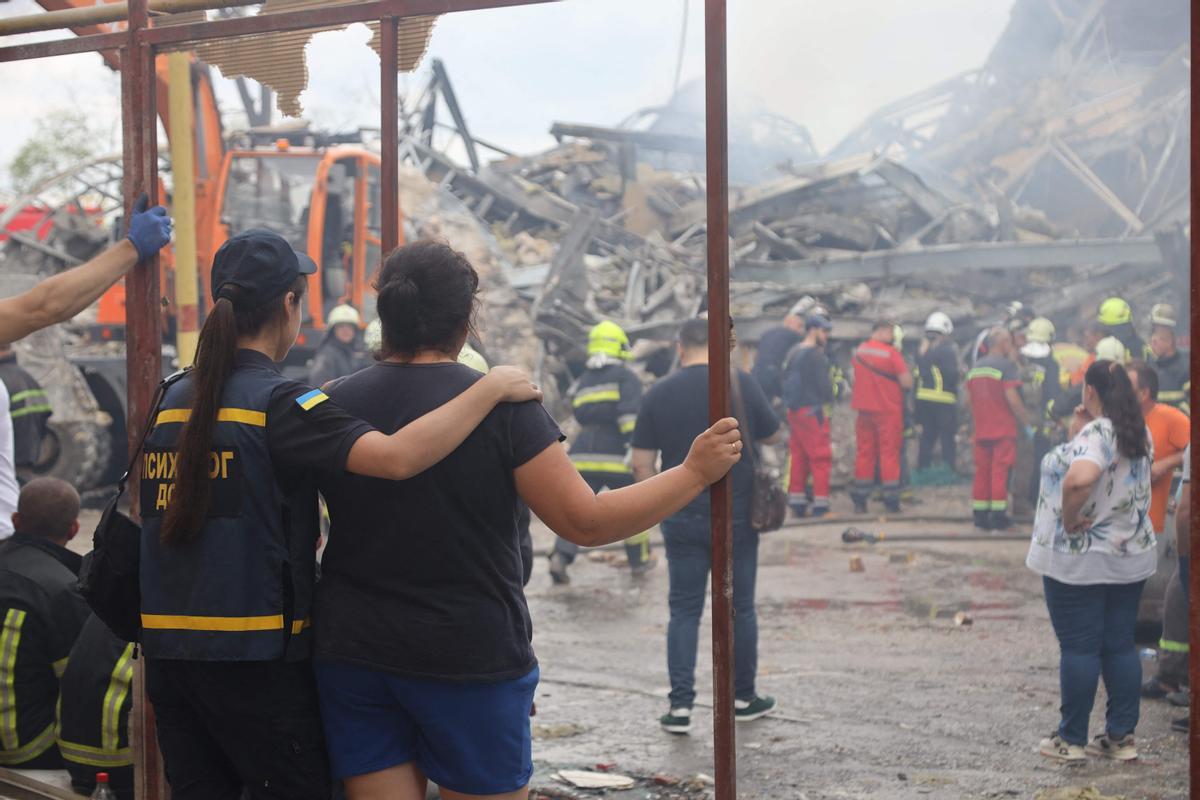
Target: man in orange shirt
1171 431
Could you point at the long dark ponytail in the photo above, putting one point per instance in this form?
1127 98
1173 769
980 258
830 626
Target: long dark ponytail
1120 404
215 352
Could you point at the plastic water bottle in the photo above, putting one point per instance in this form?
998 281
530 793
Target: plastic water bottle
1148 654
103 791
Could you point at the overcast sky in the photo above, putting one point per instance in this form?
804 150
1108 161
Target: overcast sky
824 63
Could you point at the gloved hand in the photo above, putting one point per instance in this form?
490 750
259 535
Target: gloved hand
148 230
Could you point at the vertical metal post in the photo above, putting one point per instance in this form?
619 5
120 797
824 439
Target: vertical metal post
143 331
1194 521
389 123
183 204
717 141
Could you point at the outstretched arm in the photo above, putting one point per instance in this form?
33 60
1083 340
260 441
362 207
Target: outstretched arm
62 296
424 442
555 491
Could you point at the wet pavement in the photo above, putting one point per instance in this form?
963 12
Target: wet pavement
881 694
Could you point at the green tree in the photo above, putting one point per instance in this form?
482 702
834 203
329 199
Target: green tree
61 137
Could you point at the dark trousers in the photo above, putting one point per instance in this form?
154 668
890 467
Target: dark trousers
939 424
687 539
1094 625
232 730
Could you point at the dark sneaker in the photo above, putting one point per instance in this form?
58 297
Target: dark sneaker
1154 689
860 506
983 520
1056 747
747 710
677 720
1182 698
641 568
1180 724
820 511
1000 521
799 510
558 569
1122 749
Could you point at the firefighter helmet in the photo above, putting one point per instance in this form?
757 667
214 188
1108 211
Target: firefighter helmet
1163 314
1114 311
939 322
343 314
1040 330
1110 348
608 339
470 357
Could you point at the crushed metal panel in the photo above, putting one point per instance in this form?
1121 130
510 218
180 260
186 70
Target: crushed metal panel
412 40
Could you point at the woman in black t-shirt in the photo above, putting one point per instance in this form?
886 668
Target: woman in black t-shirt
424 663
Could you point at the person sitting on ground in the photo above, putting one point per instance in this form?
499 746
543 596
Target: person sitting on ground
424 660
674 411
42 613
1093 545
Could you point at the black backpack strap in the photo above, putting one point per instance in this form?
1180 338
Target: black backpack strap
155 404
739 413
889 376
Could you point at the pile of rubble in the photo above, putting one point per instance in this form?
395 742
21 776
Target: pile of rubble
1041 177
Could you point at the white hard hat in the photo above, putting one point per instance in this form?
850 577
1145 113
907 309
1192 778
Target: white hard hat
803 306
939 323
373 336
1110 348
343 314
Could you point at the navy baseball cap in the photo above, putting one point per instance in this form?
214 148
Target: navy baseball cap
818 321
261 264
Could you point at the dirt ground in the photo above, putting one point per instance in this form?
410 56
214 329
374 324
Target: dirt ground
880 694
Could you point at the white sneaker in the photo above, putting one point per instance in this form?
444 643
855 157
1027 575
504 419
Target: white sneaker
1105 746
1059 750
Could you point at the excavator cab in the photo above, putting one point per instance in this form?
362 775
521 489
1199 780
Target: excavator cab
325 203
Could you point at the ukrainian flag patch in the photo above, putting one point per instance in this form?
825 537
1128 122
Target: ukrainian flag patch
310 399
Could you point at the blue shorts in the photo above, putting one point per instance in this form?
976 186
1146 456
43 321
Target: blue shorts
472 738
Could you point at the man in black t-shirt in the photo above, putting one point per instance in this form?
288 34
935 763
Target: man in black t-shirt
673 413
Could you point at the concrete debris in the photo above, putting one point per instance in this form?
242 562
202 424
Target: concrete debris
856 564
1075 793
1019 184
594 780
557 731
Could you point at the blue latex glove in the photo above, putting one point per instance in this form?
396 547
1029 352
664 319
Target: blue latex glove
149 230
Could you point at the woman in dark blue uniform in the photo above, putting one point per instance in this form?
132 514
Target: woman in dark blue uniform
229 505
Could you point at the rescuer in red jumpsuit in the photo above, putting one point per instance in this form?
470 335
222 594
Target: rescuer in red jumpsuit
881 377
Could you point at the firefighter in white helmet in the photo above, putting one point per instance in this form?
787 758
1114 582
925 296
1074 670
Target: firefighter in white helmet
937 392
337 355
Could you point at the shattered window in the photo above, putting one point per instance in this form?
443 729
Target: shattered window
271 192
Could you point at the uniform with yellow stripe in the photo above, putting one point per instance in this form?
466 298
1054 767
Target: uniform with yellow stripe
93 710
243 589
605 401
41 614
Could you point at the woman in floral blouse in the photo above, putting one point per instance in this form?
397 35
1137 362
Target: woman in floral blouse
1093 544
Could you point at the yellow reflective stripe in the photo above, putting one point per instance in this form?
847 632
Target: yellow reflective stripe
299 625
25 395
627 422
242 415
936 396
1173 647
638 538
179 622
1170 396
606 396
27 410
10 641
999 505
985 372
95 756
114 697
981 505
59 667
31 750
602 466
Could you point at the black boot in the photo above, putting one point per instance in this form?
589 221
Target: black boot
1000 521
983 519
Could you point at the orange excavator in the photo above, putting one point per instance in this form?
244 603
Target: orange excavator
321 193
323 199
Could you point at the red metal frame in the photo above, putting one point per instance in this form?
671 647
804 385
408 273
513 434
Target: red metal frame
1194 519
138 46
